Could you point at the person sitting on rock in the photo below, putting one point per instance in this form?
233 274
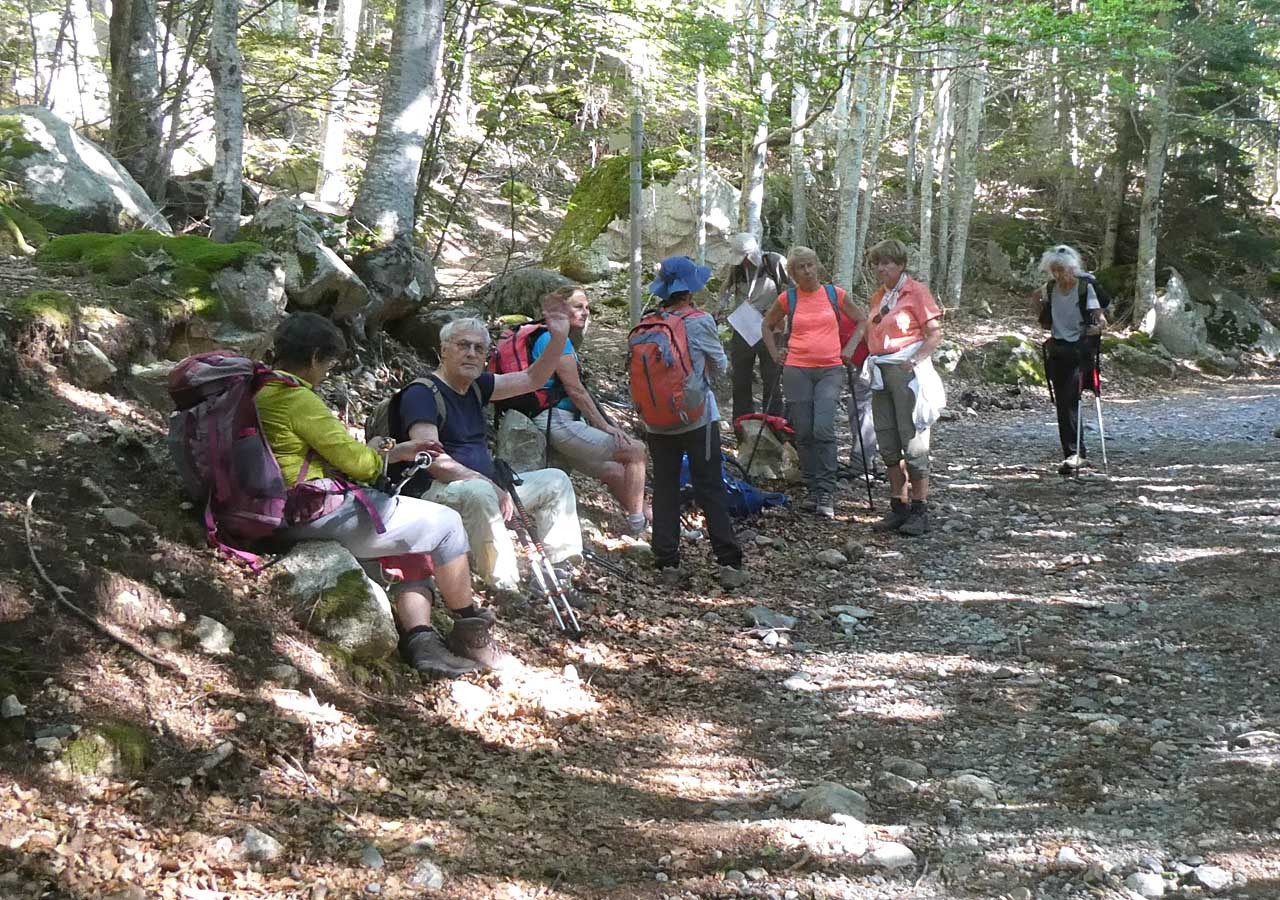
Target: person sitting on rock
449 406
409 537
579 432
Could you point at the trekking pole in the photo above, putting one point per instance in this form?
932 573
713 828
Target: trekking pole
607 565
543 572
1097 405
422 461
856 426
768 395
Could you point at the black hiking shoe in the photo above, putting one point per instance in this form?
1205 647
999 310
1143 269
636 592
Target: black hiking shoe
427 653
894 518
917 522
472 638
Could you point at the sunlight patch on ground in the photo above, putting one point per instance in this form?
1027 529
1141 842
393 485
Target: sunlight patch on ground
1187 554
1178 507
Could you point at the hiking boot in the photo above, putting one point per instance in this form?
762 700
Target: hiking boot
822 506
731 577
1070 464
917 522
671 576
894 518
472 638
427 653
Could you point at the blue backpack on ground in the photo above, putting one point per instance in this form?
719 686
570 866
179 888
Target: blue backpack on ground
743 499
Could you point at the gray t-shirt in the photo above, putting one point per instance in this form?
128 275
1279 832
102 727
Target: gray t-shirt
757 286
1067 324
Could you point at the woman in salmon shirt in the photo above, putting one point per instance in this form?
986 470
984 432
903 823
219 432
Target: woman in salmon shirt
904 330
813 363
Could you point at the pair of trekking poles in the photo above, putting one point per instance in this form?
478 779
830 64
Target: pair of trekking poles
544 574
1093 361
855 427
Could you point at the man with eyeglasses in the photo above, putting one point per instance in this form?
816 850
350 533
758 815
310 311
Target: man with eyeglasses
449 405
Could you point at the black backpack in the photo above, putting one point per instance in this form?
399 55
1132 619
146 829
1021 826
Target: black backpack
1083 281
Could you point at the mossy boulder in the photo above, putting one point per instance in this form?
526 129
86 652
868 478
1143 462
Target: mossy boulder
66 182
1273 280
602 195
331 595
39 323
1013 248
519 292
1011 359
316 278
1234 323
1133 357
113 749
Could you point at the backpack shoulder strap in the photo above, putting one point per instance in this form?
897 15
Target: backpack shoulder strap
1082 295
792 300
835 301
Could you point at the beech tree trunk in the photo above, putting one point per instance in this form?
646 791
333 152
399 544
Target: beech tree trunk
135 89
755 157
228 121
852 142
800 112
331 180
944 177
913 139
1118 178
1149 219
702 165
887 93
967 151
384 200
636 204
932 150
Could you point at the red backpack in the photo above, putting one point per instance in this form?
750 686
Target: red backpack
664 388
514 353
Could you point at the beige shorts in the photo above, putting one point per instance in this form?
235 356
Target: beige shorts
576 444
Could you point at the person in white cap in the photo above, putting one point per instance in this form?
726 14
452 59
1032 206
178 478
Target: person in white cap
755 278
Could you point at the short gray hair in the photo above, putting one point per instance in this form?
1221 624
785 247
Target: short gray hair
466 325
796 254
1061 255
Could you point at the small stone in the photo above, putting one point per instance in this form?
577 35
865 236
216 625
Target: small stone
763 617
49 745
733 876
832 559
1003 673
469 697
1020 893
217 756
661 877
1163 748
123 520
895 784
1103 727
756 874
283 675
370 858
1145 884
969 786
570 673
1212 878
800 682
1068 858
213 636
258 845
10 708
1151 863
907 768
428 875
421 847
78 439
824 800
167 640
373 888
892 855
1086 704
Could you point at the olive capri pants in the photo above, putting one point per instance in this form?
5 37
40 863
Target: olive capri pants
894 411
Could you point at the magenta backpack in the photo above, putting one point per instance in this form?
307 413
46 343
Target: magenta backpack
217 444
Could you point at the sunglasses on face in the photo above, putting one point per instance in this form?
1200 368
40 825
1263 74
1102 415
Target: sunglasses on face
477 347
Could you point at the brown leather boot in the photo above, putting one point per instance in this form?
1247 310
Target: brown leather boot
472 638
427 653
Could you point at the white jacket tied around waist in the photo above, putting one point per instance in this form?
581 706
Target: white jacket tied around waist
931 396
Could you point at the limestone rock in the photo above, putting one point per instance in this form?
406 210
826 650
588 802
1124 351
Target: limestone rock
332 595
763 617
1213 879
832 559
67 181
825 800
891 855
969 786
260 846
401 279
1140 362
770 458
1145 884
316 278
521 442
670 220
427 874
588 265
121 519
89 366
253 292
1234 323
1179 321
213 636
519 292
10 708
151 383
199 335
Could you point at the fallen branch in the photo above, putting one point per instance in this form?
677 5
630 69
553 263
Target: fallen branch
59 595
291 764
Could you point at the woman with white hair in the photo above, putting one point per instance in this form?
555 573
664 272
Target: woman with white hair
756 278
1069 308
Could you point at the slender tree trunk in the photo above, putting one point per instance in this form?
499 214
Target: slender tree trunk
637 194
384 200
228 121
887 93
932 149
1149 219
944 178
135 89
702 165
1127 148
800 112
466 110
967 152
913 139
755 159
331 180
850 149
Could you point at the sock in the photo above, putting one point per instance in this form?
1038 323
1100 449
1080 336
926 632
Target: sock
467 612
919 505
897 504
636 521
419 629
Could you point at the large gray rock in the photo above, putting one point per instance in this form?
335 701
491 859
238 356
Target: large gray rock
1140 362
591 264
825 800
770 458
67 181
89 366
401 279
1177 321
521 443
1234 323
670 220
520 291
199 335
315 277
254 292
421 331
331 595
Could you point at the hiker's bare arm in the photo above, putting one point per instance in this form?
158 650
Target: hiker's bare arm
443 467
513 384
567 372
932 338
859 315
768 331
1098 321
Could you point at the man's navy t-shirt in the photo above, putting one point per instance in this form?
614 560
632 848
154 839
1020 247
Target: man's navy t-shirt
463 434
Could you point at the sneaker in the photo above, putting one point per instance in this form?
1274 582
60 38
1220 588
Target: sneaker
822 506
671 576
731 577
917 522
1070 464
472 638
637 531
894 518
427 653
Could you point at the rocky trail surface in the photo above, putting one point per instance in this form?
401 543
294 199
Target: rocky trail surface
1066 689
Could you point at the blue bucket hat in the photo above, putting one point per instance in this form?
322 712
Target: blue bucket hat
679 273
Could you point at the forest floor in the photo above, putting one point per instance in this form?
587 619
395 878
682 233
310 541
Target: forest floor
1068 683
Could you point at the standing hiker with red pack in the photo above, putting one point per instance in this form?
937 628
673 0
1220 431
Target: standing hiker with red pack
823 329
673 351
408 536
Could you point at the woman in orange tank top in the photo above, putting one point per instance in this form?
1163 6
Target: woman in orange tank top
813 372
